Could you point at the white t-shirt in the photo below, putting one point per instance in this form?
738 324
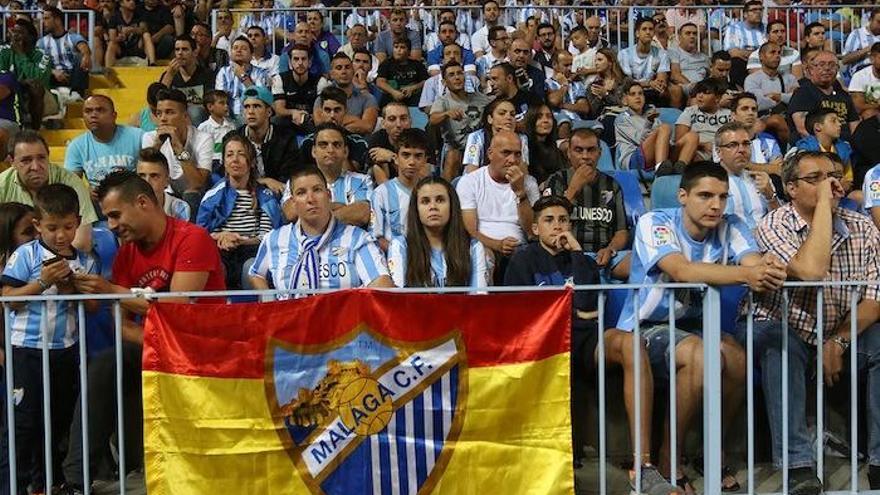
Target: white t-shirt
864 81
495 203
200 146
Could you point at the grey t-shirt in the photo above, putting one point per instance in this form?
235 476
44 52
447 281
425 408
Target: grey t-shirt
455 132
385 42
704 124
357 103
694 66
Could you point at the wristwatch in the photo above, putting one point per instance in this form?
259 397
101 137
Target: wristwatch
43 285
842 342
184 156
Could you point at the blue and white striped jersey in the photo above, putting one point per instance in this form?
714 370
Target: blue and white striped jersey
60 318
229 82
480 273
347 257
871 187
177 208
857 40
62 50
643 68
662 232
765 148
576 91
745 201
390 204
348 188
741 35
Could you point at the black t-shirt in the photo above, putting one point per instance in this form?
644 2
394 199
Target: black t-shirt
215 60
298 96
403 73
201 82
534 265
598 212
117 22
380 139
808 98
522 101
157 18
866 145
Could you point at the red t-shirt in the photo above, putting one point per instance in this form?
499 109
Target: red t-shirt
185 247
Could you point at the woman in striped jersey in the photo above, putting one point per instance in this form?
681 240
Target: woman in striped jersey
437 250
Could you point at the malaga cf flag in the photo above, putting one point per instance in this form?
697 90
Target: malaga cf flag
360 392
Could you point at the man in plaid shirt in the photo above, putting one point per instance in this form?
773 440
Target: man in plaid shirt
818 241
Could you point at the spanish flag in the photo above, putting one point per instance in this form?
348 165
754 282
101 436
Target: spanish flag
360 392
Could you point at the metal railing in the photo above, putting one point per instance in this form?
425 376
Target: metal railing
712 370
617 22
81 22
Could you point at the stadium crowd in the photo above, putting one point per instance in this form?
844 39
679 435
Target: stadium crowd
436 147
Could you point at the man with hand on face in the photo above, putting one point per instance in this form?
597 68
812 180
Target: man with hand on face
321 252
751 192
819 241
496 201
598 217
186 74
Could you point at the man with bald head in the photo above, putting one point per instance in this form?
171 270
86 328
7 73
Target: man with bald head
105 147
496 200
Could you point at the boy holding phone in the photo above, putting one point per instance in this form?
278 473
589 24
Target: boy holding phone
45 267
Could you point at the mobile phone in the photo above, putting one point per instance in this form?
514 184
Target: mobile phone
52 261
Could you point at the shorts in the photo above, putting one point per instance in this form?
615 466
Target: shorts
656 336
605 273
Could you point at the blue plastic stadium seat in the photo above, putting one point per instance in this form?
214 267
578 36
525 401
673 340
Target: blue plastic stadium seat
664 192
606 160
632 194
418 118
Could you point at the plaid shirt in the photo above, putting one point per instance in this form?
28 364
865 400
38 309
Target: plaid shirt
854 244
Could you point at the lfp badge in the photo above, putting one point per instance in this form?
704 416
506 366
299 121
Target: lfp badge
364 413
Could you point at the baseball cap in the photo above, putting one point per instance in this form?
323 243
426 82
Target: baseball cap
261 93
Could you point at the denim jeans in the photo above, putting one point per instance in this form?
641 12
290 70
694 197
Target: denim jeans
768 352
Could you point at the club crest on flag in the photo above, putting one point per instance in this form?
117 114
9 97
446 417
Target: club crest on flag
365 413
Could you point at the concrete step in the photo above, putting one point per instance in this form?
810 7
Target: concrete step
101 81
74 109
56 154
73 123
60 137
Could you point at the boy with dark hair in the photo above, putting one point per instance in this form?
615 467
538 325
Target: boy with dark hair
152 166
401 78
217 125
45 267
705 117
825 128
390 200
695 243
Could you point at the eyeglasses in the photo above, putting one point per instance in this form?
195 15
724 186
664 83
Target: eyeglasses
734 145
819 177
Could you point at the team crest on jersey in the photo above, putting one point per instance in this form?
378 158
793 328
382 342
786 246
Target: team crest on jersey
874 187
366 411
606 197
661 235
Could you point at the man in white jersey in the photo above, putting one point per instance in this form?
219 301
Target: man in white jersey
349 191
390 201
318 251
696 243
751 192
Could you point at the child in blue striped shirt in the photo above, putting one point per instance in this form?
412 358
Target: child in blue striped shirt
45 267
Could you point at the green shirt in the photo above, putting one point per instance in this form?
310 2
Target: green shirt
34 65
12 190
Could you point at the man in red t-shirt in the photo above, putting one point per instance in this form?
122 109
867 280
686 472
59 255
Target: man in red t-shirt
158 254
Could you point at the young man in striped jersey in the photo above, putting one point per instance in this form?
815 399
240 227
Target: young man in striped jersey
318 251
45 267
696 243
69 52
390 201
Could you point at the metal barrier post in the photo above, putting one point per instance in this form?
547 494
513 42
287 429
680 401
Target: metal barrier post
854 390
750 393
120 423
785 426
10 400
600 348
820 387
84 397
47 397
673 433
91 35
712 390
637 393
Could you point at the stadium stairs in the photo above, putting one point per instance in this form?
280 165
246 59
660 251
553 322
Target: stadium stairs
127 86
